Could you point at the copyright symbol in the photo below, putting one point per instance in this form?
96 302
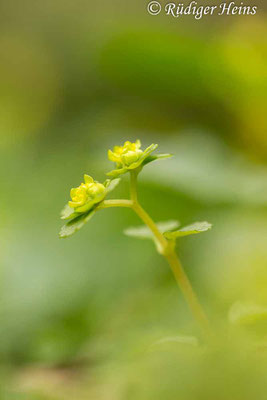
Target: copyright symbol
154 8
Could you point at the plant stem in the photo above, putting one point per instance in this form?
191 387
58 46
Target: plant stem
168 251
143 215
115 203
133 186
188 292
166 248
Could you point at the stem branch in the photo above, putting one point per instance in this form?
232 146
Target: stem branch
168 251
143 215
166 248
115 203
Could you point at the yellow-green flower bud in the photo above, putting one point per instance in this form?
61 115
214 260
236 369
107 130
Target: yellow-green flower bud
127 154
87 194
131 157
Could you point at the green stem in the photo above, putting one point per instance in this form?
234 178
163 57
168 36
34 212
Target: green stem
142 213
188 292
115 203
133 186
167 250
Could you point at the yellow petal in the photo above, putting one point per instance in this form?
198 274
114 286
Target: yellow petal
73 192
113 157
118 150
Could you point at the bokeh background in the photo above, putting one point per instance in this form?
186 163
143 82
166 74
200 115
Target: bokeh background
98 316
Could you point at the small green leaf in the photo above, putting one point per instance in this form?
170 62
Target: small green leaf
143 232
68 213
193 229
145 155
149 150
76 224
247 314
117 172
110 185
156 157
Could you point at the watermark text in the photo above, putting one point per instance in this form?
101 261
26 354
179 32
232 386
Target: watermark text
199 11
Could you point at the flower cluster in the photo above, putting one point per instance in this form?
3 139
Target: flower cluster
86 198
126 154
129 157
87 194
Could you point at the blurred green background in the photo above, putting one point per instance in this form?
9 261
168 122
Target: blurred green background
88 317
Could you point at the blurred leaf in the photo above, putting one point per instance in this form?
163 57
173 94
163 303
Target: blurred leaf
193 229
68 213
209 171
143 232
148 151
76 224
117 172
156 157
111 185
247 314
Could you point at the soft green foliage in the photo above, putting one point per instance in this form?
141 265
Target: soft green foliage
76 224
68 213
167 228
156 157
193 229
111 184
143 232
247 314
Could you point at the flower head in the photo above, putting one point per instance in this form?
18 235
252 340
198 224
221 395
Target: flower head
84 203
126 154
128 157
87 194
